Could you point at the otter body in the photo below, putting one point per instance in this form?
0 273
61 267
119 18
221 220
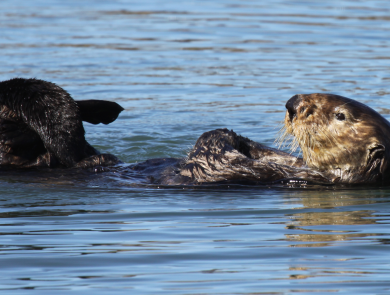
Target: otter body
41 125
342 141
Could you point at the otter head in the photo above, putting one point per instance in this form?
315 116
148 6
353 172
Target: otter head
340 136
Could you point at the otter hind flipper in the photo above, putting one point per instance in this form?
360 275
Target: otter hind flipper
99 111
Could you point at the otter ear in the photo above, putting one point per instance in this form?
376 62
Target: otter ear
377 151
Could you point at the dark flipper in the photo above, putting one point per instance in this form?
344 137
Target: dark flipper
98 111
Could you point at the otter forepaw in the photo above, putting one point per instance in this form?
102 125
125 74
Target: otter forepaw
98 160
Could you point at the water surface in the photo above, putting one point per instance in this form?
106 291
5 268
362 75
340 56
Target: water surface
180 69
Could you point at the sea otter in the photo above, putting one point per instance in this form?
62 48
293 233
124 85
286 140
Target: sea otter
342 141
41 125
340 136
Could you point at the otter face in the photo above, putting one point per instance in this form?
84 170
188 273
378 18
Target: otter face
339 135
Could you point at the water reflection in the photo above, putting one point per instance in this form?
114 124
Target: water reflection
180 71
331 217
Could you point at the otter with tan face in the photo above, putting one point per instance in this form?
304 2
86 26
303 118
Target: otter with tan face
342 141
339 136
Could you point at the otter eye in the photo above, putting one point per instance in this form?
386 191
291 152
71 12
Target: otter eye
340 116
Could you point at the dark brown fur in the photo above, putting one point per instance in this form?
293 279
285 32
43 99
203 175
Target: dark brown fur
222 156
342 140
41 125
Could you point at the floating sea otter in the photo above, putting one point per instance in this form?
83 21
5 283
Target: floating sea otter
41 125
342 141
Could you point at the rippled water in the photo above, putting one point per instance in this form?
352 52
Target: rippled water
180 69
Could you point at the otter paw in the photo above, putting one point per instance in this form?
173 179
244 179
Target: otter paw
98 160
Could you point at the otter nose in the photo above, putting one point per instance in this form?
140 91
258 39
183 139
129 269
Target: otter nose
292 105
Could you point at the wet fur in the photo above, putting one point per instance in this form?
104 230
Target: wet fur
349 151
355 149
41 125
221 156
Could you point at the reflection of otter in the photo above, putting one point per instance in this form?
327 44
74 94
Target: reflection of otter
342 140
319 226
41 125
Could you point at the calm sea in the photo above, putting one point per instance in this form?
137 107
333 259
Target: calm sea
180 68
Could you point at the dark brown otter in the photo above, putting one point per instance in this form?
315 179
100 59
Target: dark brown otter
41 125
342 141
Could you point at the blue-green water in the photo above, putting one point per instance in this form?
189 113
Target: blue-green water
180 69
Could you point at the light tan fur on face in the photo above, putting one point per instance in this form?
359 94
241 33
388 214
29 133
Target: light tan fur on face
331 144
